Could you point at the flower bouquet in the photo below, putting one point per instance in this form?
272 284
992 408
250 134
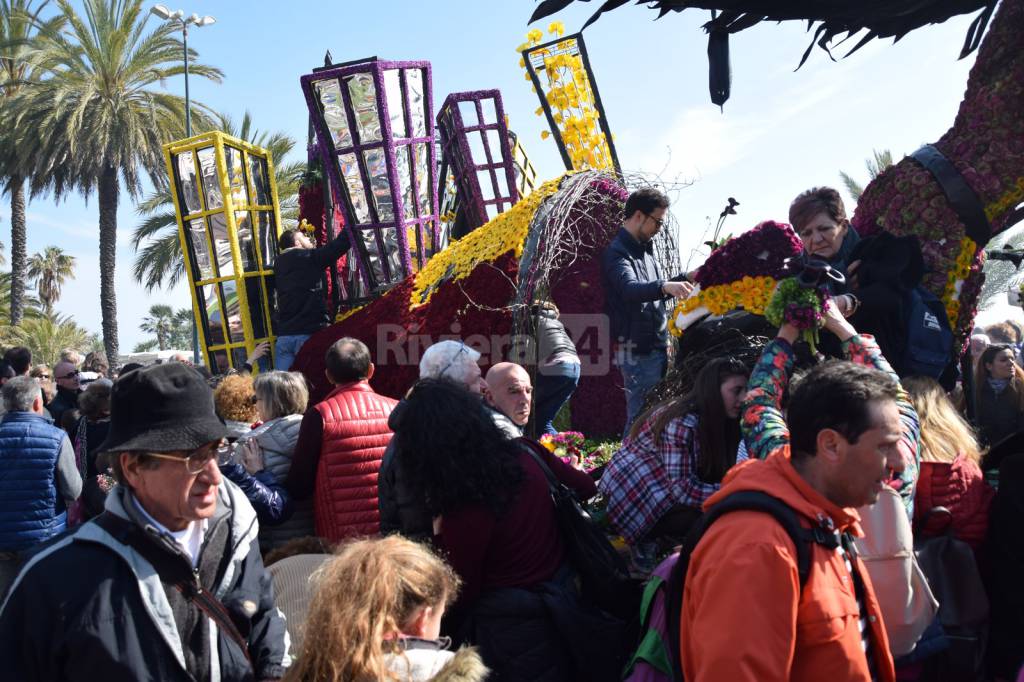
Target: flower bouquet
568 446
800 299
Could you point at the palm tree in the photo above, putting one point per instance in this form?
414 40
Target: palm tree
160 323
30 304
95 123
49 270
3 258
47 335
159 263
19 22
879 162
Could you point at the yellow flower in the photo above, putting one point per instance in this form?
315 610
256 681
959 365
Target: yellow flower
534 36
544 134
556 28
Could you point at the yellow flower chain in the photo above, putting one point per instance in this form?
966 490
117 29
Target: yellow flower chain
505 232
571 99
960 271
1006 202
348 313
750 293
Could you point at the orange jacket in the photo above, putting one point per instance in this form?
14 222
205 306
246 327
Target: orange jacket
743 614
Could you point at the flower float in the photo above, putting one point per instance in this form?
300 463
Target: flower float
986 146
569 96
742 273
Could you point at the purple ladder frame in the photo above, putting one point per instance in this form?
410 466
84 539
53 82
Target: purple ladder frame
455 135
329 153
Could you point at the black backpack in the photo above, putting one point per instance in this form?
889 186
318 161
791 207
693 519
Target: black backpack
745 500
929 336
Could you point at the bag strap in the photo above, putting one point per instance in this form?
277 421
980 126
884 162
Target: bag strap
744 500
554 484
174 572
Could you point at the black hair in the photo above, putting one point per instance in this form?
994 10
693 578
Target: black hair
19 358
287 239
131 366
348 360
645 200
835 395
6 371
454 452
717 435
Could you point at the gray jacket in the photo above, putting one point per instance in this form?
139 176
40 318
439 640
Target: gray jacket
277 439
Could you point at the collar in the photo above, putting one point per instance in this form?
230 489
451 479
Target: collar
362 385
410 643
632 244
842 518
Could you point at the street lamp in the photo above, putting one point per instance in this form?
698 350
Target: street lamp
178 17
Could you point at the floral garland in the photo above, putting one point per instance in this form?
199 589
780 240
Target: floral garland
571 99
957 276
505 232
742 273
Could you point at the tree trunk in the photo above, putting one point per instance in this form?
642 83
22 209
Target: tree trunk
19 249
108 191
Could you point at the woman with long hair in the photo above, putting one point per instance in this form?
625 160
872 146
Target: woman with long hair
495 521
998 394
676 455
950 474
376 615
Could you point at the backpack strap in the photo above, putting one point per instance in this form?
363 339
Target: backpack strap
744 500
174 571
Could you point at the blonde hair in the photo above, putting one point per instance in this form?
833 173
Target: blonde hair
365 595
944 433
233 398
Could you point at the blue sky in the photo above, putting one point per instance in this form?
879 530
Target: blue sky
780 133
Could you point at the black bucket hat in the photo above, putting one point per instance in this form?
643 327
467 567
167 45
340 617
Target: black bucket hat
163 408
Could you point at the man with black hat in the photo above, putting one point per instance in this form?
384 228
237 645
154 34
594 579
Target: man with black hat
168 582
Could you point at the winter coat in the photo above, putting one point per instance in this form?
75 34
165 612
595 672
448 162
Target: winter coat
117 621
277 439
32 509
299 278
999 414
355 435
552 339
960 487
743 578
63 401
424 660
634 300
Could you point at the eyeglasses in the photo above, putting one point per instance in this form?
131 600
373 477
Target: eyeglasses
70 375
195 462
462 349
657 221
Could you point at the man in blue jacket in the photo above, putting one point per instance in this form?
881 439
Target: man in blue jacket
299 279
635 292
38 476
167 583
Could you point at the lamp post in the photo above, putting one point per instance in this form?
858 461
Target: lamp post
178 17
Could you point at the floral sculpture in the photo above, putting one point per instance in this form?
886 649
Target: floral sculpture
569 98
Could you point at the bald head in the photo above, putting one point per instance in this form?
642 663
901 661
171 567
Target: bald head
509 391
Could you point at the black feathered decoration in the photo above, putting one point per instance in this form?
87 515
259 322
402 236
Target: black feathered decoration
835 18
719 69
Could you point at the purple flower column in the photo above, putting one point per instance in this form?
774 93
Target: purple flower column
375 128
475 145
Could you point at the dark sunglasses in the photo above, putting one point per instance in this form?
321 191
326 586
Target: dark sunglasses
70 375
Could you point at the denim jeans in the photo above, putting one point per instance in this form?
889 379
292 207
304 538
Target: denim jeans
640 373
286 348
555 385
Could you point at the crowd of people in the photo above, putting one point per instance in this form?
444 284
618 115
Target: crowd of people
161 523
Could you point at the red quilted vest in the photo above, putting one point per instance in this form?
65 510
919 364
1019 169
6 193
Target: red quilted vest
355 435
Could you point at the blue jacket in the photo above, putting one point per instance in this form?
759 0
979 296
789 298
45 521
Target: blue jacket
632 292
31 508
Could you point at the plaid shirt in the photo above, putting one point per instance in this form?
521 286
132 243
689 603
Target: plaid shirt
644 480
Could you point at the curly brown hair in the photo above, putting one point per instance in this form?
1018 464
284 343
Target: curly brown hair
368 593
233 398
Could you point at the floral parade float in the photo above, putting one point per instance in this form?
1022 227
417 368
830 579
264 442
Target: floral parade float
404 286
